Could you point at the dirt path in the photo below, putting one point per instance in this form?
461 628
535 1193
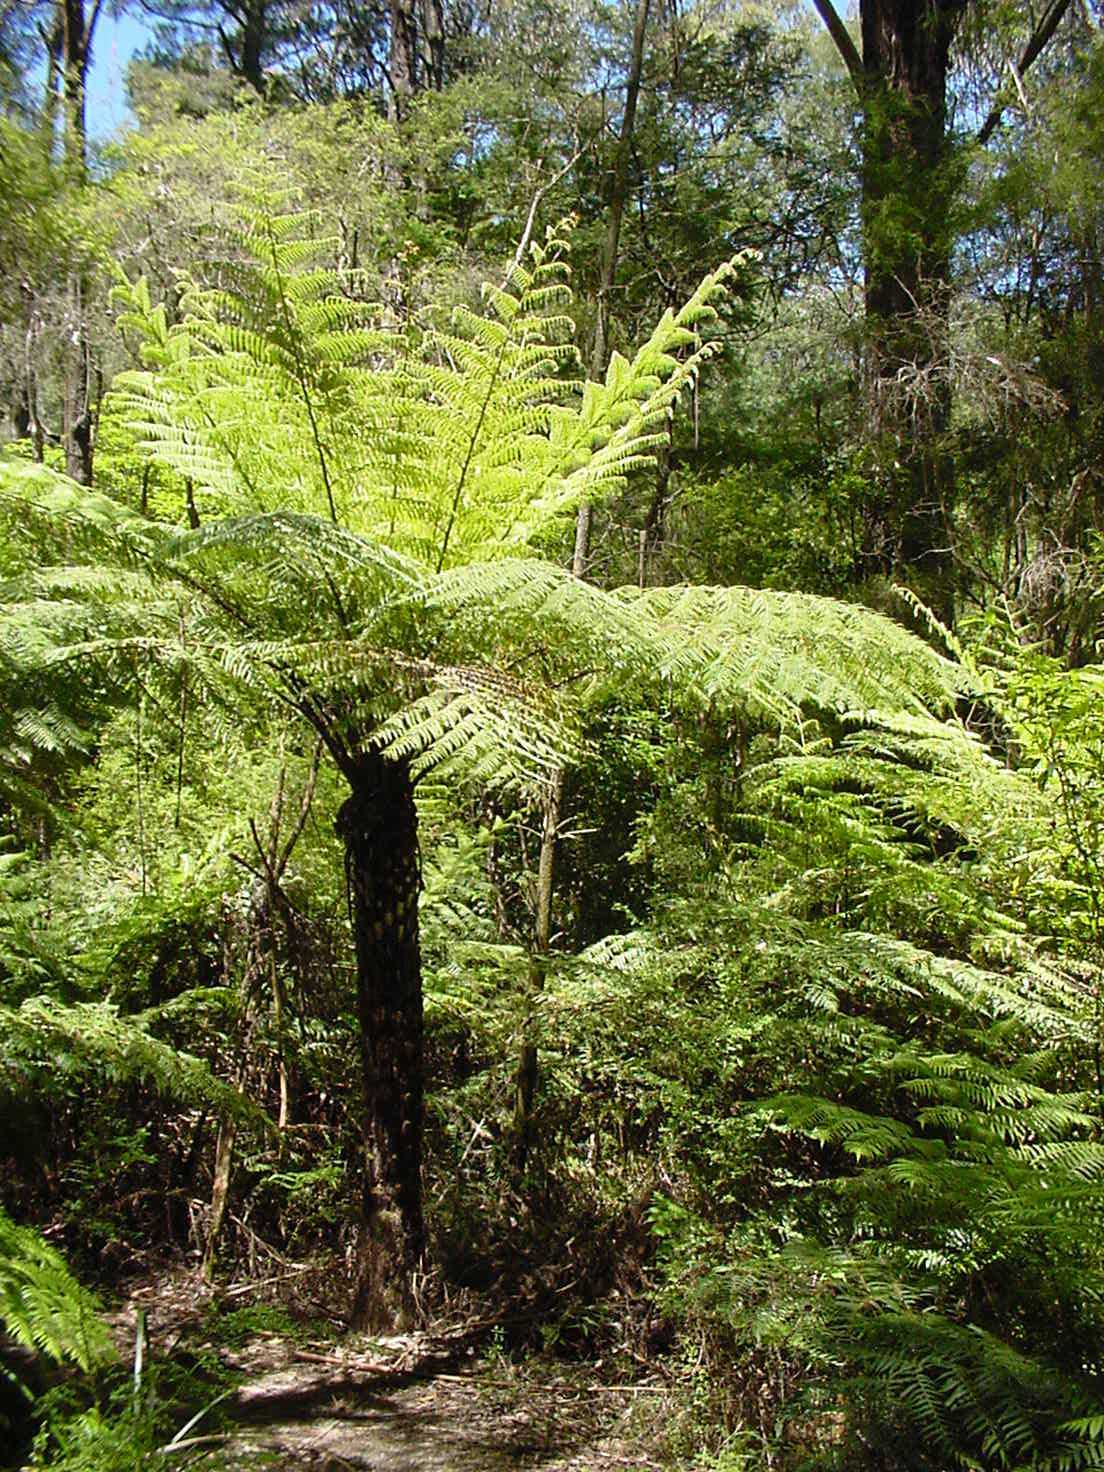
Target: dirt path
395 1406
453 1424
295 1417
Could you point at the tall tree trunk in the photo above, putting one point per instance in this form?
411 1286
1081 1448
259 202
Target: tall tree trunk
244 50
618 194
77 29
254 35
378 825
53 40
908 194
402 61
433 43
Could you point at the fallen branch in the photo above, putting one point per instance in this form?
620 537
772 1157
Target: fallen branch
360 1367
266 1282
215 1438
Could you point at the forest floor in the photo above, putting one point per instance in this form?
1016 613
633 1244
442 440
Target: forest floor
429 1402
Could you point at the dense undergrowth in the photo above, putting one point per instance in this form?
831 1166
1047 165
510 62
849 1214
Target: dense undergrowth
818 1138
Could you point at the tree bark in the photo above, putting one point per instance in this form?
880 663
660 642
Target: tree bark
378 825
77 28
402 61
909 183
619 188
908 192
254 34
528 1070
76 406
908 187
433 43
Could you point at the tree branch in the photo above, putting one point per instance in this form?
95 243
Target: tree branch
1051 18
844 44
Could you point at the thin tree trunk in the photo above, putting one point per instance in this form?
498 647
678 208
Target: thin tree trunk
27 421
258 941
528 1068
652 530
279 1022
220 1194
525 1082
378 825
77 30
76 409
267 902
618 194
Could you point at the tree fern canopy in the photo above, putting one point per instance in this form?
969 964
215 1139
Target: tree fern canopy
277 391
366 490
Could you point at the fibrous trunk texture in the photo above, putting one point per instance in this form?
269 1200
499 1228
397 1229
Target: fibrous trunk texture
378 826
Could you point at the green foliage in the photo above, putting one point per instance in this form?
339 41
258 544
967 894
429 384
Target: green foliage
470 451
862 1077
843 1039
43 1306
50 1041
260 398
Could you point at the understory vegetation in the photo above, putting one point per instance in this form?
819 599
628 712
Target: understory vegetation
551 720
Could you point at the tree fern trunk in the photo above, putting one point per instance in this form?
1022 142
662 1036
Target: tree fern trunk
378 825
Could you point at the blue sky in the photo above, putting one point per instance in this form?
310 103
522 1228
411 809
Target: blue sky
116 40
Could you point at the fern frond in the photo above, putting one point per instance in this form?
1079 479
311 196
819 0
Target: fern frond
49 1035
43 1307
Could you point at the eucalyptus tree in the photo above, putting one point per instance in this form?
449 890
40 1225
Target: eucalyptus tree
370 498
911 169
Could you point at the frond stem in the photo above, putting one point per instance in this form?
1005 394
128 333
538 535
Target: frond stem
301 379
485 406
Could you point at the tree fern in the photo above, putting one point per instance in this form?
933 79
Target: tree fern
371 494
49 1038
290 407
867 1067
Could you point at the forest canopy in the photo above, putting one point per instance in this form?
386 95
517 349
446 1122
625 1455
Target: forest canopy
551 772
